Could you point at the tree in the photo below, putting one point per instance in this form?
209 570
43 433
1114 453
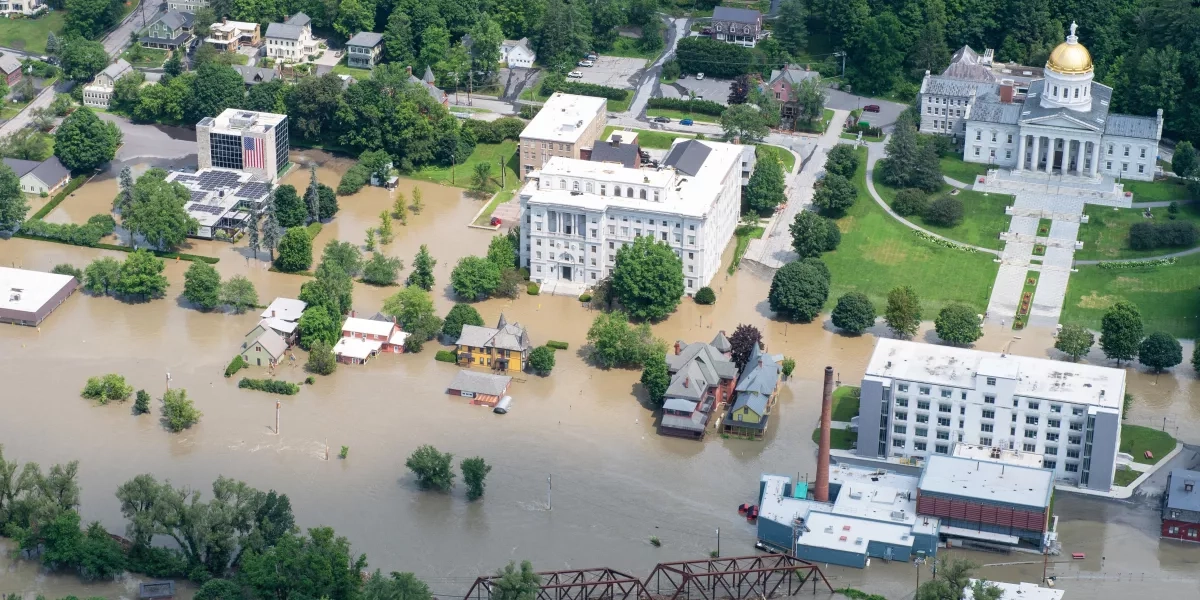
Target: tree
799 290
318 565
739 89
82 59
377 163
1184 160
791 29
343 254
1160 351
27 144
1121 331
765 189
474 471
1075 341
292 212
615 343
907 163
656 379
127 92
52 44
513 584
369 242
381 269
218 589
541 360
101 275
401 586
13 205
474 278
398 41
109 388
647 279
459 315
125 186
813 234
239 293
295 251
958 324
202 285
87 18
215 88
413 309
502 252
422 274
946 211
317 326
321 359
481 177
178 410
174 65
705 296
141 404
854 313
327 200
157 212
84 142
417 203
311 196
272 233
400 208
910 201
835 195
744 123
950 580
842 160
99 556
68 269
354 16
903 313
810 102
385 228
432 468
141 276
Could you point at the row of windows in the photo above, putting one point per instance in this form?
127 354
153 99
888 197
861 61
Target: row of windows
954 112
561 146
1067 91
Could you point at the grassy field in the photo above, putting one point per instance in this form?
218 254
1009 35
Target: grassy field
744 233
1168 296
845 403
660 140
1125 476
839 439
1136 440
1158 191
359 74
784 155
983 215
501 197
30 34
679 115
149 57
461 175
628 48
879 253
1106 234
866 138
960 170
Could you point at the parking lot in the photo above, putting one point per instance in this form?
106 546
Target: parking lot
709 88
613 71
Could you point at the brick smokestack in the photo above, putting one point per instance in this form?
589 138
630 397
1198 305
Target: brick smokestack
821 490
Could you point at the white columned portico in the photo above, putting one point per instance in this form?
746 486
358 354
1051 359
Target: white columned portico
1062 162
1095 158
1037 152
1021 152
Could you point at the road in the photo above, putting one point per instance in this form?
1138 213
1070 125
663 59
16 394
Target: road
117 39
676 30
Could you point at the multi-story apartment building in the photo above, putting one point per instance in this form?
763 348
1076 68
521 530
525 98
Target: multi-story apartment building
576 214
919 400
292 40
244 140
98 93
566 126
229 36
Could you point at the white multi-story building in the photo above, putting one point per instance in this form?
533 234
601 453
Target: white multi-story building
576 214
98 93
187 6
244 140
292 40
25 7
567 125
921 399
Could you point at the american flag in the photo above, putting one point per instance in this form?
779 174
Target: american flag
252 153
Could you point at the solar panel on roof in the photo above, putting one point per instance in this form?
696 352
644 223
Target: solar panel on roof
253 189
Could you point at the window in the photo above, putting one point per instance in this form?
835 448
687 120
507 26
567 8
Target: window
944 408
629 192
1051 450
922 432
978 137
924 390
1074 439
902 402
1033 405
1016 403
985 441
943 435
1141 168
923 404
946 393
989 414
1072 467
1056 91
962 410
901 429
1076 92
1014 417
991 381
1029 447
1031 420
1055 408
943 422
919 446
1143 149
1075 410
901 416
989 399
664 236
1008 154
1051 437
1072 453
903 387
1055 423
604 192
993 136
642 194
1076 426
986 428
1108 165
1010 138
1048 464
899 443
942 448
976 150
1031 433
1126 150
922 418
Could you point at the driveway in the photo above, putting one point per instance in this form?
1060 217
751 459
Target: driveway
156 142
676 28
613 71
888 110
709 88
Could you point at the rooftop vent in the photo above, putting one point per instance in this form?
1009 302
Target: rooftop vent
1189 485
842 538
858 542
829 529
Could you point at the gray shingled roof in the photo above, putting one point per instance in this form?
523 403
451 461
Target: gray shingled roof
505 336
51 171
480 383
1094 118
737 15
949 86
272 342
1132 126
284 31
174 19
793 74
721 343
996 112
368 39
1177 498
758 381
299 19
626 154
965 64
116 69
9 63
697 367
255 75
687 156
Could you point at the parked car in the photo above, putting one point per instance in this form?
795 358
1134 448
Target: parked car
591 56
871 108
699 76
585 63
575 74
685 122
661 120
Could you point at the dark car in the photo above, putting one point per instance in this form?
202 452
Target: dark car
661 120
871 108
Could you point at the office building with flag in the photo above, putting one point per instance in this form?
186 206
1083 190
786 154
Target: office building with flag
246 141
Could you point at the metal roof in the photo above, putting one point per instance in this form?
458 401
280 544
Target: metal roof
299 19
996 112
737 15
721 343
272 342
174 19
1093 118
625 154
986 480
480 383
1132 126
115 70
759 379
284 31
687 156
368 39
950 86
1178 498
288 309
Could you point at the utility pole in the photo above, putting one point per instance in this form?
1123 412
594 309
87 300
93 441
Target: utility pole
503 175
550 491
278 404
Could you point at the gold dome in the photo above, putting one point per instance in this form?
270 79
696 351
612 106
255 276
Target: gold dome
1070 58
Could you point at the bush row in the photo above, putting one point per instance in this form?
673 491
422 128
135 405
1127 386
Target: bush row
237 364
556 83
89 234
354 179
1172 234
273 386
494 132
704 107
446 356
72 185
557 345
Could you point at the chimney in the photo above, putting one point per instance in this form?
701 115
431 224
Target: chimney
224 20
821 489
686 381
409 70
1006 92
677 348
616 141
352 315
272 314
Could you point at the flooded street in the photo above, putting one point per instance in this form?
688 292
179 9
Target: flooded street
615 482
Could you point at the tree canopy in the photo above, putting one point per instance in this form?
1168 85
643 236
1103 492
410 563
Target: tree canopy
84 142
1121 331
156 211
798 290
647 279
958 324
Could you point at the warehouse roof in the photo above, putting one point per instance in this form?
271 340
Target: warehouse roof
28 291
986 480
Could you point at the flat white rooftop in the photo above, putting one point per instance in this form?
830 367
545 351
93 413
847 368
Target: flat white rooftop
851 534
995 454
1036 377
28 291
288 309
367 326
236 121
874 495
1018 591
564 117
356 347
987 480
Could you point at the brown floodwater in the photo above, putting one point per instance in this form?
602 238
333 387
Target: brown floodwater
615 482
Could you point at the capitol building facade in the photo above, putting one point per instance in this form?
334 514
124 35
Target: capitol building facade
1053 121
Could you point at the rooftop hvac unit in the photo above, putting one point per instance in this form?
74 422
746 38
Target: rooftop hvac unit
829 529
858 542
898 515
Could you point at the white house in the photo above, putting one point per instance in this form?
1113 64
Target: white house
292 40
98 93
517 53
23 7
45 177
576 214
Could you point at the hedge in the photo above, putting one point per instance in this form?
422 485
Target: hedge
556 345
714 58
212 260
704 107
237 364
273 386
551 84
353 180
69 233
313 229
446 356
494 132
72 185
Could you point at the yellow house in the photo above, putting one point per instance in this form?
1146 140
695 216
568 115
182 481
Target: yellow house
756 392
504 347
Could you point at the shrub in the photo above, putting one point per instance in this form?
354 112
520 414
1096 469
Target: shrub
946 211
671 69
910 201
89 234
705 295
321 359
541 360
355 178
533 289
1147 236
557 345
178 410
109 388
788 365
310 380
237 364
703 107
446 356
585 297
273 386
141 405
68 269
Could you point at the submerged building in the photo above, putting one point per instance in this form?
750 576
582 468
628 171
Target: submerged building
244 140
28 297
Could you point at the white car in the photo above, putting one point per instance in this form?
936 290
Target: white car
699 76
585 63
575 74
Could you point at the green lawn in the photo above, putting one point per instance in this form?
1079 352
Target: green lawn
879 253
1158 191
983 215
826 119
460 176
784 155
533 94
359 74
1167 296
10 109
629 48
660 140
845 403
1125 476
1136 440
866 138
30 34
744 233
502 196
958 169
679 115
839 439
149 57
1106 234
